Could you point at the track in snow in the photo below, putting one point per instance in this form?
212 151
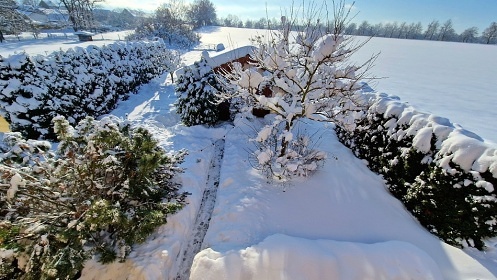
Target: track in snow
204 213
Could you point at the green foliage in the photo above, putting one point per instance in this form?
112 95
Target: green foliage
76 83
197 90
458 206
106 187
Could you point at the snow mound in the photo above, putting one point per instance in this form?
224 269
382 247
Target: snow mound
281 256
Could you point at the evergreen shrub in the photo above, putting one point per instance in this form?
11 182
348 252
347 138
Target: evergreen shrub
198 91
449 187
105 188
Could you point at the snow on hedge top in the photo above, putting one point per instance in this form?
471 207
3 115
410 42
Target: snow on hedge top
453 143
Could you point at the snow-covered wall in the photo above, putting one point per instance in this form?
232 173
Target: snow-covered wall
444 174
75 83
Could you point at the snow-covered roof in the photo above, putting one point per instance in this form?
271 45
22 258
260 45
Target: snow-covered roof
223 57
228 56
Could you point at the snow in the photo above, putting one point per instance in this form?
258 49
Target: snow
281 256
15 182
341 223
52 41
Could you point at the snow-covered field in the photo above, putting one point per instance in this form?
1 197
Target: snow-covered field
339 224
51 41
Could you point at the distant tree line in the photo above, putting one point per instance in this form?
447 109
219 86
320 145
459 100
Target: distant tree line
176 22
435 30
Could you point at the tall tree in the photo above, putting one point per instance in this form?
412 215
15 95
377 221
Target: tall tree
201 13
469 35
81 13
489 35
364 28
168 23
391 29
351 29
431 30
249 23
403 29
447 31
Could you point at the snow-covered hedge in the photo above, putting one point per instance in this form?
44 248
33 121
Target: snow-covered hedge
75 83
106 187
445 175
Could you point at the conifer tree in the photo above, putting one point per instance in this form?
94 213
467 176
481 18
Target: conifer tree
197 90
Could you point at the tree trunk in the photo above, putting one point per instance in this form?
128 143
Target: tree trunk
284 142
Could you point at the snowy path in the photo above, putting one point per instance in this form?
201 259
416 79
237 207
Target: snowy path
204 213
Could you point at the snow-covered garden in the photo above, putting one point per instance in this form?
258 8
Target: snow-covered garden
340 223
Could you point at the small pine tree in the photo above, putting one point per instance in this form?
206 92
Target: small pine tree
197 91
107 187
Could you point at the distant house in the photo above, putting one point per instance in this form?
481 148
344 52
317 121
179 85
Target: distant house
224 61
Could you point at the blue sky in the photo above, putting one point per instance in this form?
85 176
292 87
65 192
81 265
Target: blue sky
464 13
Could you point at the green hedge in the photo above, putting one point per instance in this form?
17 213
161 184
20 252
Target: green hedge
75 84
444 175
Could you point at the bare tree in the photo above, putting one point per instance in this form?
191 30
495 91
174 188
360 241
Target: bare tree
81 13
414 30
489 35
403 28
201 13
469 35
447 31
231 20
391 29
364 28
249 23
378 30
431 30
168 23
351 29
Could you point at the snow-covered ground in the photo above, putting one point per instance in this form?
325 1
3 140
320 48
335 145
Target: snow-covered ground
340 223
54 40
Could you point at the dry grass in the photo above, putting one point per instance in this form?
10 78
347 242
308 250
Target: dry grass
4 126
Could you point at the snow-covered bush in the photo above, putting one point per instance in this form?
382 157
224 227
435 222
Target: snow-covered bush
168 24
308 74
300 160
76 83
105 188
444 174
198 91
